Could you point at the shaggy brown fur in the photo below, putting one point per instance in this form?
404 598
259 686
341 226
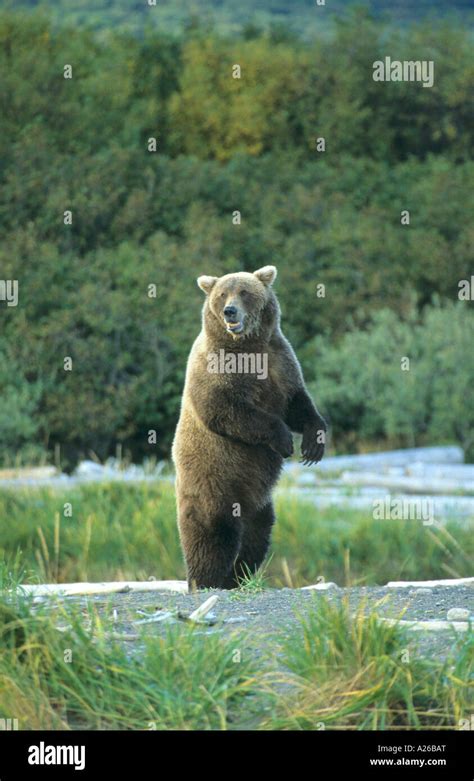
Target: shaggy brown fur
235 430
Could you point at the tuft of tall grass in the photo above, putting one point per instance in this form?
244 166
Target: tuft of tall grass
64 670
352 671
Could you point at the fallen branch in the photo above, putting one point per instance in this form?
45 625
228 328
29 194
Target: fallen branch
201 612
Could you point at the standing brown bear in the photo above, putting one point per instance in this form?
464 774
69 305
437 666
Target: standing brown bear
243 396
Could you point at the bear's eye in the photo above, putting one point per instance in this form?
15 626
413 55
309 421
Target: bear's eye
244 293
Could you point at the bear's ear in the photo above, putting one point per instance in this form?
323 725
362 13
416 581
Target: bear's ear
206 283
267 274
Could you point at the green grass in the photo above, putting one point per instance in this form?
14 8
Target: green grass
253 582
61 668
119 531
351 548
115 531
356 672
81 678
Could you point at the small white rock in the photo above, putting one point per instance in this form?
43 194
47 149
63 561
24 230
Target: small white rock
319 587
421 591
458 614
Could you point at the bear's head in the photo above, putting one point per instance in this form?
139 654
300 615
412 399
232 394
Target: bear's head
241 305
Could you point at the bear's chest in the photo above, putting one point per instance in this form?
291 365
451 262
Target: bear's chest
270 389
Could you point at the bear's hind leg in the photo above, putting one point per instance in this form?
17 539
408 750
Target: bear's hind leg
254 546
210 544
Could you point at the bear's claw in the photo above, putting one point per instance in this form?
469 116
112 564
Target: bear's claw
312 451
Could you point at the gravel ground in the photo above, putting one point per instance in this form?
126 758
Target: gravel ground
262 615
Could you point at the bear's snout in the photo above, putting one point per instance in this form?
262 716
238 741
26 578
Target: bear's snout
230 313
234 318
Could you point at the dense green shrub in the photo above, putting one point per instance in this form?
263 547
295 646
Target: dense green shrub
366 385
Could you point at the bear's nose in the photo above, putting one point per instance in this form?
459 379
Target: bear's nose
230 311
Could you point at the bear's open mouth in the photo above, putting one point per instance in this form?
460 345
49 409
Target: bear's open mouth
234 328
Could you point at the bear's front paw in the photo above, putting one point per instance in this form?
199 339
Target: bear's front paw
282 440
314 440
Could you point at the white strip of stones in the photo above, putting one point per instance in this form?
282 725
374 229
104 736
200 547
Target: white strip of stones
430 583
428 626
82 589
458 619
